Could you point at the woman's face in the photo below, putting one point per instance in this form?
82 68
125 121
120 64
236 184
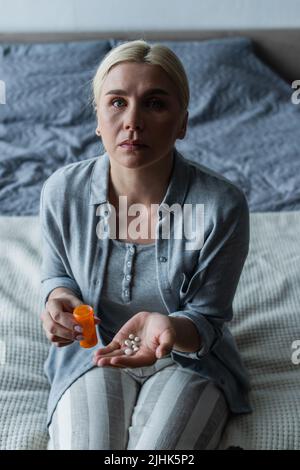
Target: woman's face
130 108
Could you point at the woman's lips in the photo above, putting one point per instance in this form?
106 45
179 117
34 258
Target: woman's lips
133 147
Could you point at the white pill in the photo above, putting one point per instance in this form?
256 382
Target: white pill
131 336
128 351
127 342
136 348
132 342
137 339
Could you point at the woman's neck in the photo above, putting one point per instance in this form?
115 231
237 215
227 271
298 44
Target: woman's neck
141 186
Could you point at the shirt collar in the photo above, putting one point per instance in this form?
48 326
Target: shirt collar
176 191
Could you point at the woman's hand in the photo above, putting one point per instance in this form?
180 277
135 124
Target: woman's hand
157 336
59 322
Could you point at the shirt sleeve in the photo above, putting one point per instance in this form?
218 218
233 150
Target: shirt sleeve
211 290
55 270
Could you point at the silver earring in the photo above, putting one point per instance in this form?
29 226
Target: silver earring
97 132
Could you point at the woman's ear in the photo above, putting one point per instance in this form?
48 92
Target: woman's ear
183 128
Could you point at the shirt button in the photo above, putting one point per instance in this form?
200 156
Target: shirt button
162 259
129 264
131 249
128 277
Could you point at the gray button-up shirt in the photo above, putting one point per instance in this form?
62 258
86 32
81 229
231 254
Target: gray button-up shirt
198 283
130 283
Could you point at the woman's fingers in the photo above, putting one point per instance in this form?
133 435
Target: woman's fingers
61 344
99 355
133 361
56 315
58 333
63 328
105 360
59 323
118 358
113 346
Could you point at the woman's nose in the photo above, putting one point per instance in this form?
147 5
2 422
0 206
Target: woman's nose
133 118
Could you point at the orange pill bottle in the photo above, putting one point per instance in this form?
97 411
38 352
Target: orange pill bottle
84 315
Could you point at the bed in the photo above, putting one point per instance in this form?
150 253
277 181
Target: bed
242 123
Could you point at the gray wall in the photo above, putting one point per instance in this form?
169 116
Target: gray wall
142 15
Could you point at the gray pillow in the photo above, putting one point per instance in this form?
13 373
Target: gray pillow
49 83
225 75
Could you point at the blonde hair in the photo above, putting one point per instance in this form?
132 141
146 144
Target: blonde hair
142 52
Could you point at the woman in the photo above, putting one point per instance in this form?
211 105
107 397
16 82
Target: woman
178 389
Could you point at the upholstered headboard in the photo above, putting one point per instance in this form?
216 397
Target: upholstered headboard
280 48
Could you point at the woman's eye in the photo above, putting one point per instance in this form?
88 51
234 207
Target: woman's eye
153 103
114 101
157 103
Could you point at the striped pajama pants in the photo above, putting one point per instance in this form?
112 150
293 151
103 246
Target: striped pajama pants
159 407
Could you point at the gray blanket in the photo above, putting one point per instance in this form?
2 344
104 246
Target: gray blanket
242 122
